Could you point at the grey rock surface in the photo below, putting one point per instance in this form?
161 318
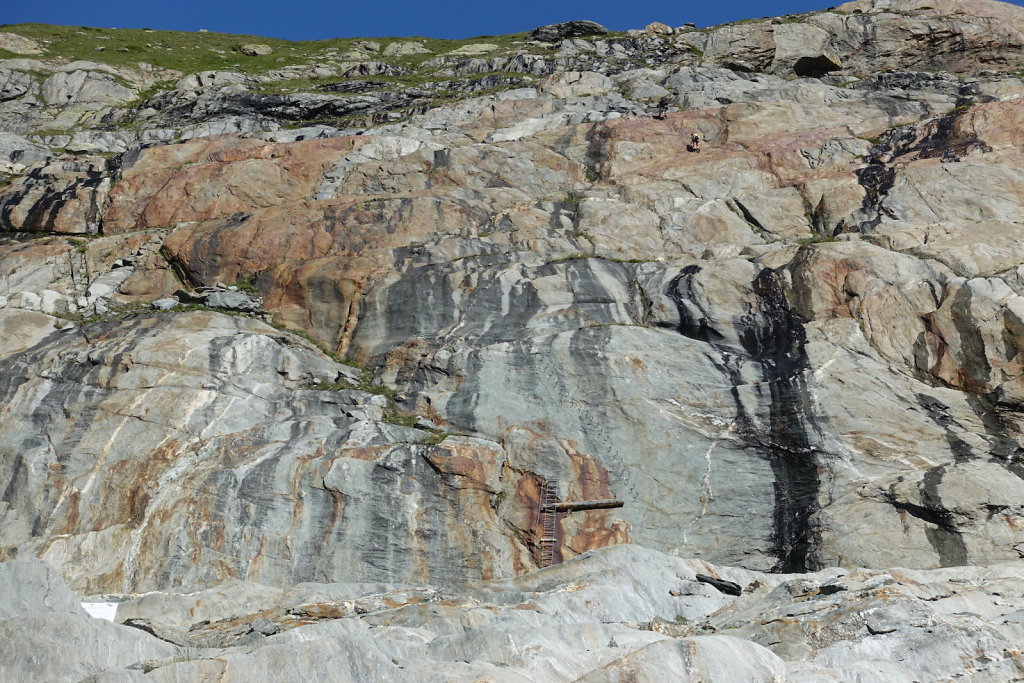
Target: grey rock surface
30 586
45 634
617 612
233 301
84 87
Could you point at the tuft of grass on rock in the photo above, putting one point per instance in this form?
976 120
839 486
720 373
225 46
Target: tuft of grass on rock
248 285
398 417
435 438
318 344
817 239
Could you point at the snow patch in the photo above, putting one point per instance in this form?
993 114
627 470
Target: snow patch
101 610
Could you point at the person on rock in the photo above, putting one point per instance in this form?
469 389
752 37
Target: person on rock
695 142
661 108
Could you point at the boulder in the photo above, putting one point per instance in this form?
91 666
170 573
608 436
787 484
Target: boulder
233 301
256 50
19 45
658 28
474 49
15 84
552 33
405 48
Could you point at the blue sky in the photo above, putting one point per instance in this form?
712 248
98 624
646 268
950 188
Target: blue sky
315 19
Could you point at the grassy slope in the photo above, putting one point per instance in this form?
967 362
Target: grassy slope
192 52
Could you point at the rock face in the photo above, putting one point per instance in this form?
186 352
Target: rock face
362 350
232 431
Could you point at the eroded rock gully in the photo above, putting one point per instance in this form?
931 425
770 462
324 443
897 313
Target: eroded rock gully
334 365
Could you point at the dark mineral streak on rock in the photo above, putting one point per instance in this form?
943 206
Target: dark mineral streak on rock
693 323
1004 448
877 179
774 339
938 412
67 387
942 531
944 536
976 372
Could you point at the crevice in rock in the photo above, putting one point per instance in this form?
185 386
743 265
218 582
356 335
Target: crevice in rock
180 271
747 216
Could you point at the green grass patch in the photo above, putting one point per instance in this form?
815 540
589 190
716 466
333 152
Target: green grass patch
616 259
317 343
116 312
817 239
579 256
435 438
248 285
368 383
400 418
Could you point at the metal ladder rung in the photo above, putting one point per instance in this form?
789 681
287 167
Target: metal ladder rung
548 522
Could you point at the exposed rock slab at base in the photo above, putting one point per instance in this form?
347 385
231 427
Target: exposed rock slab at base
617 612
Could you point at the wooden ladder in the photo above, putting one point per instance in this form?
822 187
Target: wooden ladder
548 522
